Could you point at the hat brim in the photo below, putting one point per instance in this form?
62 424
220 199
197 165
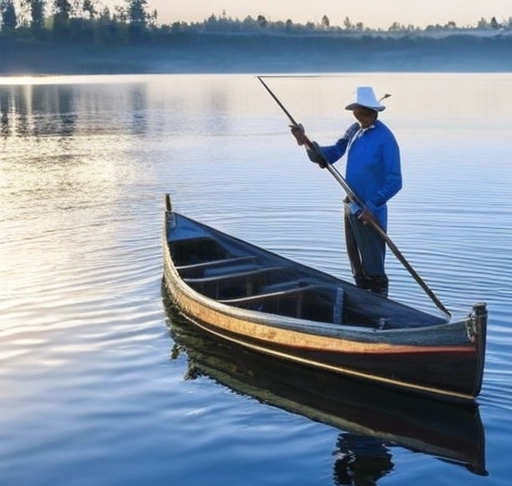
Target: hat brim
353 106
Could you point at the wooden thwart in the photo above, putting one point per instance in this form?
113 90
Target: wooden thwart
253 299
216 263
232 276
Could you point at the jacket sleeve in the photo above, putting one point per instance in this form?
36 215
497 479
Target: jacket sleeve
333 153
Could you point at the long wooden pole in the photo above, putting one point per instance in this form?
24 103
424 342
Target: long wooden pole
341 180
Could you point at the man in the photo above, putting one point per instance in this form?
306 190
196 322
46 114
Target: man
373 173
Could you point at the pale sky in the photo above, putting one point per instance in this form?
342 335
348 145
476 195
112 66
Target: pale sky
372 13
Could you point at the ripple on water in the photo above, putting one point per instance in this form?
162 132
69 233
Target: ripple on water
91 393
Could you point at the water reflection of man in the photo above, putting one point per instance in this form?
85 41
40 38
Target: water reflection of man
360 460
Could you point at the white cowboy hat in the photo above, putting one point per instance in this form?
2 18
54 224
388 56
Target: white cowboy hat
366 97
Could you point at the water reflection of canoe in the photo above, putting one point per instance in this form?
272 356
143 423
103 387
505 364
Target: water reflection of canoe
368 415
268 303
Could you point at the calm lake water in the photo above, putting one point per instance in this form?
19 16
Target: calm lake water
95 389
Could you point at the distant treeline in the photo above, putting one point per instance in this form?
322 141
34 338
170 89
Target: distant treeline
83 37
134 21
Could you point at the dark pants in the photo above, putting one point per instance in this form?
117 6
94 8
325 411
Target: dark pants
366 252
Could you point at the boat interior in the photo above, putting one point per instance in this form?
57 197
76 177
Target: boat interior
278 286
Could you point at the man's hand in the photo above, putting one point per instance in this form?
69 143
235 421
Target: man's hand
365 216
299 133
362 214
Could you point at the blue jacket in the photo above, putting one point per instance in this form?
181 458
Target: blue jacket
373 169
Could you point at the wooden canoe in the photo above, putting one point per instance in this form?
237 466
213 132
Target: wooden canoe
268 303
368 417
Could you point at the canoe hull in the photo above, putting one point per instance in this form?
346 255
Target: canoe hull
440 359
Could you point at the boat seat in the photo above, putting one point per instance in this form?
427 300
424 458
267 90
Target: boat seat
211 268
270 295
230 276
250 280
281 286
273 296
